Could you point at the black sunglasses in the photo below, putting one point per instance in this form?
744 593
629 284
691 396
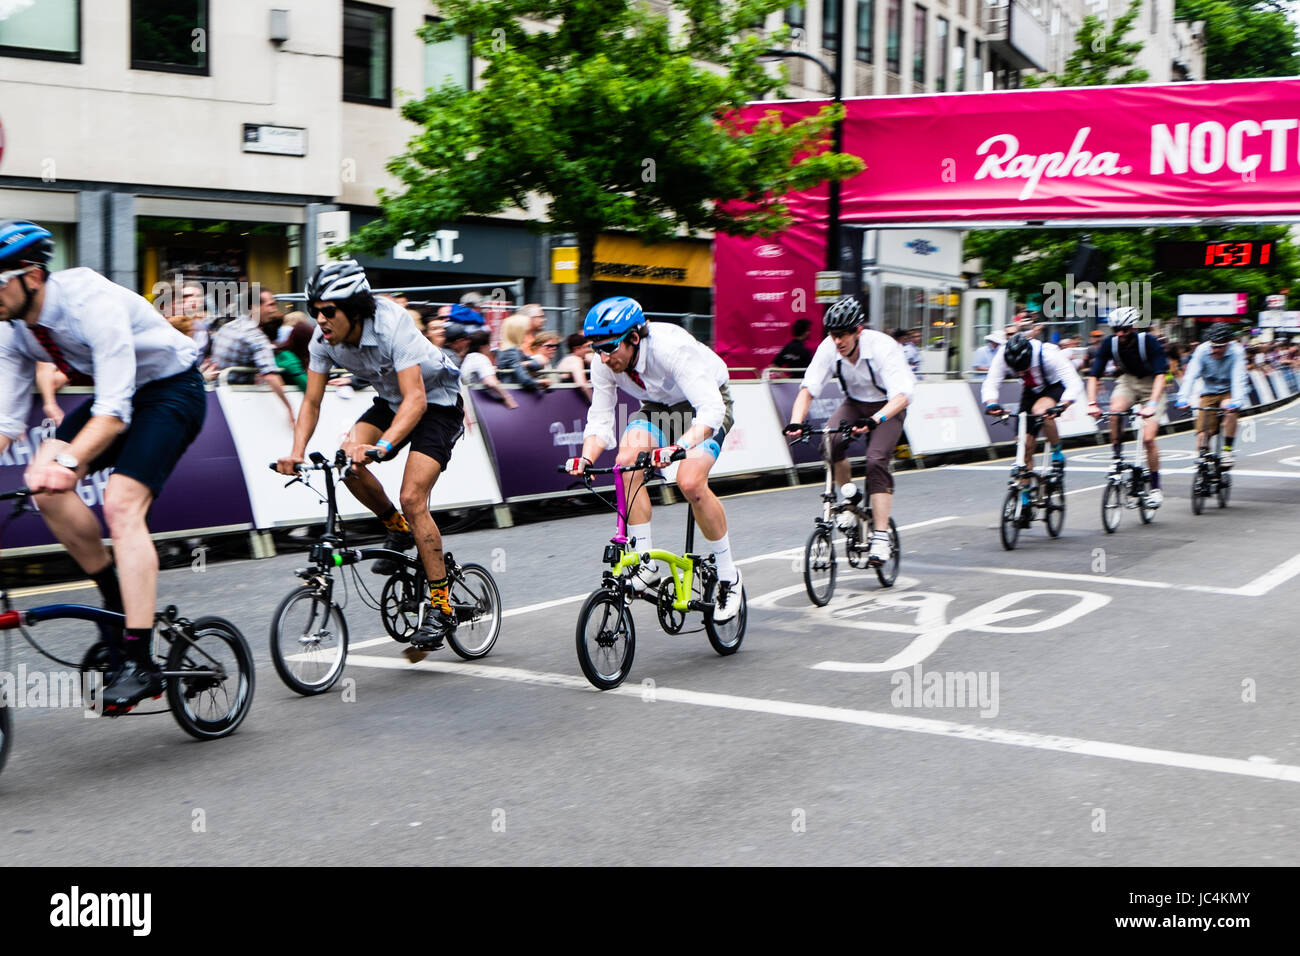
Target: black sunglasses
329 311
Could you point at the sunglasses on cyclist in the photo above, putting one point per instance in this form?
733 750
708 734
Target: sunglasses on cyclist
610 347
5 277
329 311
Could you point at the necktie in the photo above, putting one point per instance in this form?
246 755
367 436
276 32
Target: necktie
56 356
636 378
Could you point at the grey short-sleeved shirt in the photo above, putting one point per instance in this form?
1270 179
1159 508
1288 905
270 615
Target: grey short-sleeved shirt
390 343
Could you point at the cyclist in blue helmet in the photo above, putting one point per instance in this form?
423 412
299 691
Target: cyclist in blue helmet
685 405
148 406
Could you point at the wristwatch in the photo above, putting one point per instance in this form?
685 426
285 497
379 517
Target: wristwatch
67 461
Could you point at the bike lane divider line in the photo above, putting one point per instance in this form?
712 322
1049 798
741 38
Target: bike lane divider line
798 551
1256 454
865 718
1271 579
1093 578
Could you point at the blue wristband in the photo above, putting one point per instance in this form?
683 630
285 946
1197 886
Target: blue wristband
882 419
387 446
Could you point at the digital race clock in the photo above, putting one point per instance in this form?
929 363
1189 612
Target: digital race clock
1242 254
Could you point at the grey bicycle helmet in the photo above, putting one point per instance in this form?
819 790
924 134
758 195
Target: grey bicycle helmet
844 314
1125 317
336 281
1018 352
1220 333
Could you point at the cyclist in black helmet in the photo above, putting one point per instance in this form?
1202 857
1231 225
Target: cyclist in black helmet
417 402
877 384
1048 378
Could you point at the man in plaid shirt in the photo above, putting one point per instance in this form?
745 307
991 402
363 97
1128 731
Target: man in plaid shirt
241 342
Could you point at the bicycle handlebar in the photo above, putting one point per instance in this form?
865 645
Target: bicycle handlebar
16 493
642 463
1054 412
843 428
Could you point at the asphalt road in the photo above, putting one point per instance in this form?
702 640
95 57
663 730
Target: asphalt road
1139 704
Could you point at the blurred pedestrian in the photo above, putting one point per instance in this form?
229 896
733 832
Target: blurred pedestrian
795 354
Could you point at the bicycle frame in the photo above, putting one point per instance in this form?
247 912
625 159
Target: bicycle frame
682 567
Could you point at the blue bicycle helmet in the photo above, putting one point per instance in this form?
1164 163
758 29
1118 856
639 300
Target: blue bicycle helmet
613 316
22 241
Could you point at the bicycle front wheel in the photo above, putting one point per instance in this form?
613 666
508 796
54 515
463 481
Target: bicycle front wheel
1200 489
1055 516
477 603
212 696
887 573
819 566
1112 506
309 641
1010 526
606 639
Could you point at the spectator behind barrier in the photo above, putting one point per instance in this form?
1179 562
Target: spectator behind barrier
796 354
514 366
242 342
573 367
477 370
291 352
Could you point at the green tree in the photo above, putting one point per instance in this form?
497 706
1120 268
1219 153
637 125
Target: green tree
611 120
1102 56
1244 38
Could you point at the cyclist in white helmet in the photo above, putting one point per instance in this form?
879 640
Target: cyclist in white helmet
1141 361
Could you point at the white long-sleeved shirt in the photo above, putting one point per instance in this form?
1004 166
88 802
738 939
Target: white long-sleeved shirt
674 368
880 373
1219 374
1047 366
102 329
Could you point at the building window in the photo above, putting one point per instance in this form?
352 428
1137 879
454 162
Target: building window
977 65
367 54
866 10
448 62
918 46
170 35
959 62
831 24
794 15
44 30
941 49
893 33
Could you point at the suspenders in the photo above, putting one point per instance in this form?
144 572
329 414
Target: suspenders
839 373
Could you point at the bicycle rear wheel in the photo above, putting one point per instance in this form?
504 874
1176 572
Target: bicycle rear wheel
606 639
309 641
6 732
1112 506
887 573
477 603
725 636
1010 526
819 566
213 695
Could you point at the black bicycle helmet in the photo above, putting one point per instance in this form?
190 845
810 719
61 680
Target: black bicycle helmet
1220 333
844 314
336 281
1018 352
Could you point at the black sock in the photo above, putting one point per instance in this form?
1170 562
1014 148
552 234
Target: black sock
106 581
138 641
1116 446
1155 479
1227 444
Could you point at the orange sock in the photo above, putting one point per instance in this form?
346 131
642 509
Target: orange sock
439 596
396 522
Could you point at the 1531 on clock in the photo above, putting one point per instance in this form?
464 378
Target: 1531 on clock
1218 254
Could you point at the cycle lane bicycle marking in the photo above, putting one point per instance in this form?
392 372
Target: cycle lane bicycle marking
863 718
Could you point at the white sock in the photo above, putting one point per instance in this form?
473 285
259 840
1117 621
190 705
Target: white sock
641 534
722 554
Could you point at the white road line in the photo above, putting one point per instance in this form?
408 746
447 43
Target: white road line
865 718
1270 451
1268 581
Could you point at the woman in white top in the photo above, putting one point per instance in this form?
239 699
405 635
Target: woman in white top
477 368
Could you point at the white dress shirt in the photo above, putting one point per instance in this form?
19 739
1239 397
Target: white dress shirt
880 373
674 368
1047 361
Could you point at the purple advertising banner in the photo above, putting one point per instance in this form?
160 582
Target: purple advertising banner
528 443
809 452
205 491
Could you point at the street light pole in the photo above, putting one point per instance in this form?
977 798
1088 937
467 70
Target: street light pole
836 78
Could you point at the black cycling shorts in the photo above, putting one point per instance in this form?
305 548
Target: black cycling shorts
434 435
166 417
1029 396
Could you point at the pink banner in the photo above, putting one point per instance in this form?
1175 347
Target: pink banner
1220 149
